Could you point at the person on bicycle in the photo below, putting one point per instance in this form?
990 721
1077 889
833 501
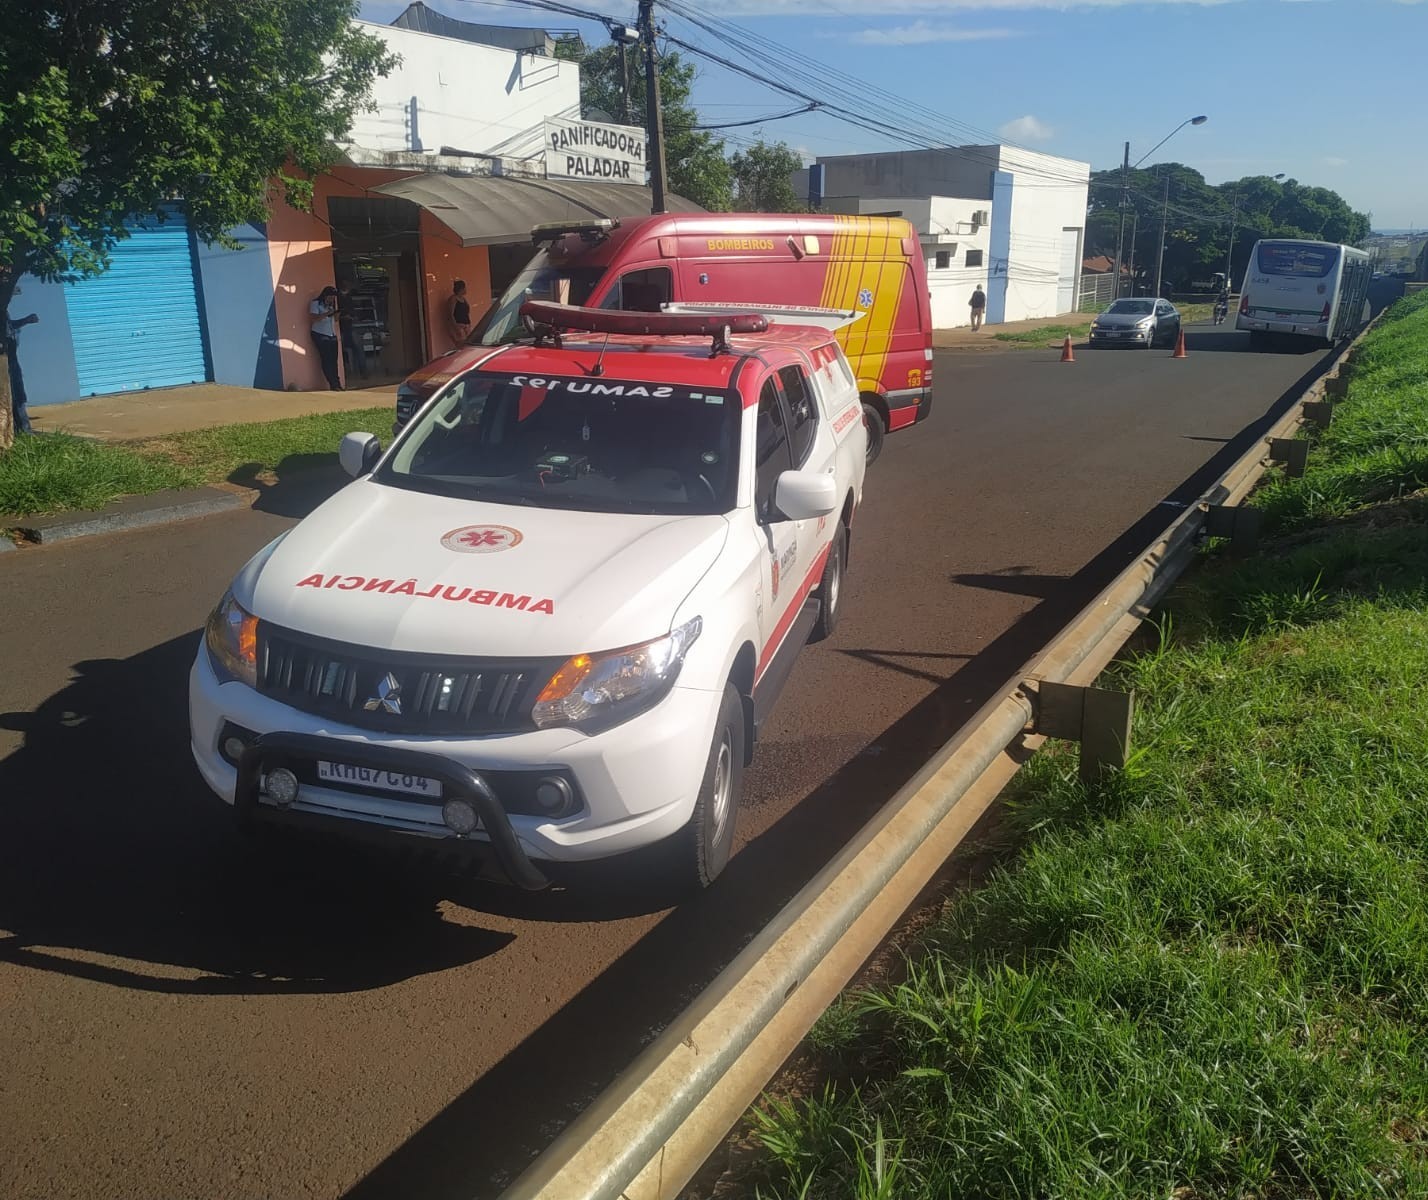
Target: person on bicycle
1222 304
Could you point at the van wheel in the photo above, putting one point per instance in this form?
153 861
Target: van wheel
830 589
701 849
874 422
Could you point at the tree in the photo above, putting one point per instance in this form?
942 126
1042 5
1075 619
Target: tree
694 159
110 108
762 178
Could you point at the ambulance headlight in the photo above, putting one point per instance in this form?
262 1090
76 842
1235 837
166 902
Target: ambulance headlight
231 636
595 691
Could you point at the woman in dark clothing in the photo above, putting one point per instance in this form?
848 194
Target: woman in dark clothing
458 312
322 312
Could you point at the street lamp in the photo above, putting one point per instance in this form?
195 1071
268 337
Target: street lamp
1234 221
1125 191
1165 209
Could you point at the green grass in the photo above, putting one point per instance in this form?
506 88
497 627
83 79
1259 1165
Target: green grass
1053 335
1208 975
57 472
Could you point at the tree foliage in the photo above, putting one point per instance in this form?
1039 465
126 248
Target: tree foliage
112 107
1201 215
694 158
762 178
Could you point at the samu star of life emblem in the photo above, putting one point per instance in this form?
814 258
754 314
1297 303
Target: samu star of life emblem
388 698
481 539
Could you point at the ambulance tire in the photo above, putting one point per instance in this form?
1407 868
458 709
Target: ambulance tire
876 432
700 851
830 588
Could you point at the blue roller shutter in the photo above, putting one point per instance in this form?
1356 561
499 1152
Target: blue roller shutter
137 325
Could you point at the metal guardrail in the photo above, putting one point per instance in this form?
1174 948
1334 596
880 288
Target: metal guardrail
653 1128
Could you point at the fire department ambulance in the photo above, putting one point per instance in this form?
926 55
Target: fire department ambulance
872 265
549 622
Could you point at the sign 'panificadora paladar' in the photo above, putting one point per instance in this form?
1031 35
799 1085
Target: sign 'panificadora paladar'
587 150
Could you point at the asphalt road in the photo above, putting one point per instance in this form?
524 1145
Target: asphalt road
186 1013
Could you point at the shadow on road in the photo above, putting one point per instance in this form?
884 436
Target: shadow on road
112 848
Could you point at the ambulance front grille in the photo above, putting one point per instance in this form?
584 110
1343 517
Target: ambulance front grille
418 694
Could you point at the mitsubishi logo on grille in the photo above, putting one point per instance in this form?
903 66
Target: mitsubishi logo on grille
388 697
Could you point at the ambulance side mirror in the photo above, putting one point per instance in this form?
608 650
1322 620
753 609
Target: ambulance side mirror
358 453
804 495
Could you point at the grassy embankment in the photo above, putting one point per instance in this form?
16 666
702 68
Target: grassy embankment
1078 327
1207 976
57 472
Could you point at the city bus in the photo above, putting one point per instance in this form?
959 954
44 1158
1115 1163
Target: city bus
1316 290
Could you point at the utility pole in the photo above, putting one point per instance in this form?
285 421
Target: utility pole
654 119
1164 219
1230 251
1121 235
624 80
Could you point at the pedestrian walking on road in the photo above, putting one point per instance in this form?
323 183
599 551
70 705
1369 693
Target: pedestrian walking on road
323 313
18 399
979 305
458 312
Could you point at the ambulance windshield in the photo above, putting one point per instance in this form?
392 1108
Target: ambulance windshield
542 279
591 443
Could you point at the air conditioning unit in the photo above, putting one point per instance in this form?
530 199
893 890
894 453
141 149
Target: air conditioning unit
980 217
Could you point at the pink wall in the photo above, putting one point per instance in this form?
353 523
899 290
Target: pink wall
444 258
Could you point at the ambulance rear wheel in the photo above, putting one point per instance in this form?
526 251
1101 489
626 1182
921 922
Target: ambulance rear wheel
874 421
700 851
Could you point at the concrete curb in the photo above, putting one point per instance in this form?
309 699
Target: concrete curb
136 512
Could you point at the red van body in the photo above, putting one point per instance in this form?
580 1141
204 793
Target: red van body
872 264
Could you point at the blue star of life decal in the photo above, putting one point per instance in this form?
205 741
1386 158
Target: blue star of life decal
865 298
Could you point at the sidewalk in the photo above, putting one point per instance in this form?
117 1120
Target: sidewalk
161 411
963 338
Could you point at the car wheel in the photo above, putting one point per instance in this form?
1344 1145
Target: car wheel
830 588
701 849
874 422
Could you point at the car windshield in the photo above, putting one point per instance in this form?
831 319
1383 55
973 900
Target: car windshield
541 280
1306 261
1134 308
595 444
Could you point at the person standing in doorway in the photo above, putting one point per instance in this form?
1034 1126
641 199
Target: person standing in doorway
323 315
18 399
353 358
458 311
979 306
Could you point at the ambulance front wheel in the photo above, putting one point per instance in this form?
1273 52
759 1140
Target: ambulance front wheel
873 419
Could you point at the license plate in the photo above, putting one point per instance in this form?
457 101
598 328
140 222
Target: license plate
373 777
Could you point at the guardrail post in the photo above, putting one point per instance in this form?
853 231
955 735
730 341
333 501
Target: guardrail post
1241 525
1337 385
1097 718
1319 413
1292 452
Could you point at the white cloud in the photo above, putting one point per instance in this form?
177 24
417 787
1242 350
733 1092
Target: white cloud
921 32
1026 129
1333 160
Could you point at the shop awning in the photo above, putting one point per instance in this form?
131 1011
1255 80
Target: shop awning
487 209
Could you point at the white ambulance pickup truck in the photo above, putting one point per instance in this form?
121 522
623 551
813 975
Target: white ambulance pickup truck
549 622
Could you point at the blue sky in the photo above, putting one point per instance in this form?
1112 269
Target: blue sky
1327 91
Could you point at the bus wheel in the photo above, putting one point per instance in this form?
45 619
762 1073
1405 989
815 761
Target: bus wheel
873 419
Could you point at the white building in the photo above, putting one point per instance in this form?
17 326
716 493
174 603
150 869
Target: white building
1007 219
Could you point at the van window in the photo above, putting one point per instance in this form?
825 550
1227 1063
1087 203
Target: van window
771 455
641 291
803 413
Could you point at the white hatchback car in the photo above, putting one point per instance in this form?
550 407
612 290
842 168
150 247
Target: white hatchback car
549 622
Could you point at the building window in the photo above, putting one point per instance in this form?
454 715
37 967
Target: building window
944 259
974 258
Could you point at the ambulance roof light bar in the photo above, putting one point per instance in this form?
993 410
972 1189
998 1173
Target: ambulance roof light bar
547 320
831 319
590 231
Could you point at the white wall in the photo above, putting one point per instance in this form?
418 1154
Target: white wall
1048 197
447 92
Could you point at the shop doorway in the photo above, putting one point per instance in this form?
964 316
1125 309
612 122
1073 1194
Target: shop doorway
376 264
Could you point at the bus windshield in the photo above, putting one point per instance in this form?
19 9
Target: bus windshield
541 280
1304 260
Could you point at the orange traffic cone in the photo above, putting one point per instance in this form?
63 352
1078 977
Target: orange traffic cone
1066 355
1180 346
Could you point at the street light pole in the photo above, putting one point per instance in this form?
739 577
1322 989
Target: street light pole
1164 220
1121 234
654 118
